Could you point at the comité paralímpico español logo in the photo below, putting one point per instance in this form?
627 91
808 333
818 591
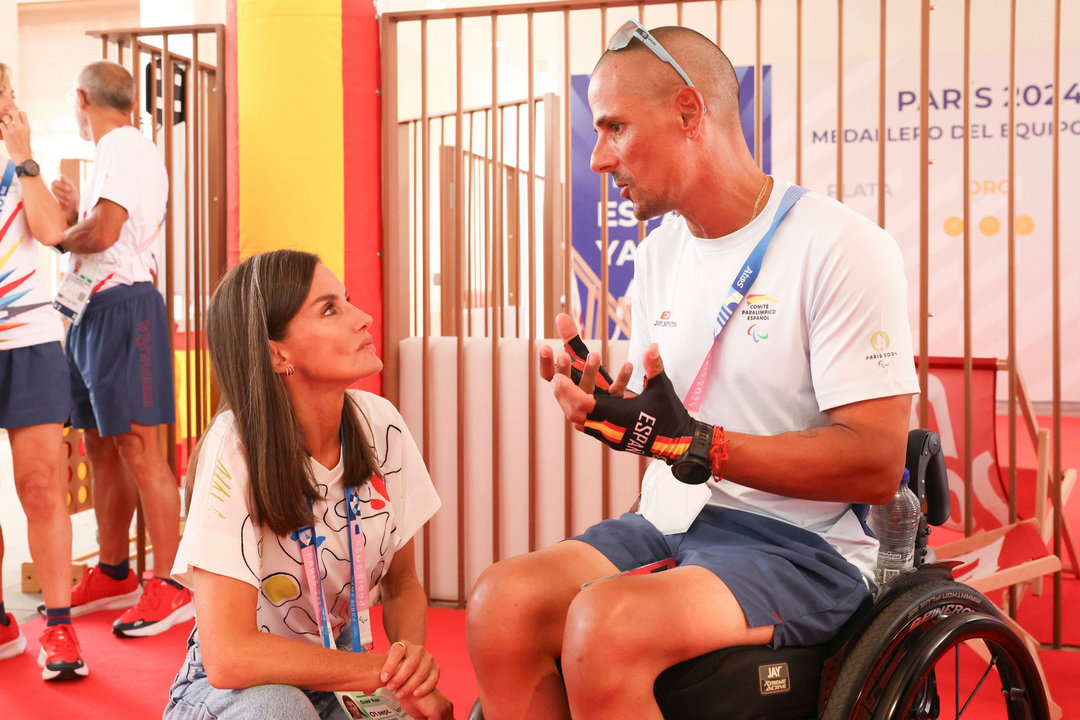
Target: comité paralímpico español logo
758 311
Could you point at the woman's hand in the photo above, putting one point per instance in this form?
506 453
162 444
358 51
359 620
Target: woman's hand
409 670
15 133
433 706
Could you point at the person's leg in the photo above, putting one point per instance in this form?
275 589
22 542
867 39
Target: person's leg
12 642
199 700
164 602
115 496
140 452
35 453
514 625
624 631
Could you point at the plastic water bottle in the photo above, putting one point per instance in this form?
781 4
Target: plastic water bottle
895 524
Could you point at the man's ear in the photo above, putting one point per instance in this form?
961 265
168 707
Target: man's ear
279 356
691 105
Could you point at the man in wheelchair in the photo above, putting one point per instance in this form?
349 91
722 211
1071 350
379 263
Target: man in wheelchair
800 411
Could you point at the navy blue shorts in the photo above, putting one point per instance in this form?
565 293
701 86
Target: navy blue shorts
35 388
781 575
121 362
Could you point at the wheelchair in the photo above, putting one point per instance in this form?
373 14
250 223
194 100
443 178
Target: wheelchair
898 658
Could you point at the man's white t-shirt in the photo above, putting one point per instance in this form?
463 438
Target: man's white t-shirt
825 324
221 538
26 314
127 170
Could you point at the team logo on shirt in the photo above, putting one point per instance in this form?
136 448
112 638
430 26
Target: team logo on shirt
880 342
759 309
665 320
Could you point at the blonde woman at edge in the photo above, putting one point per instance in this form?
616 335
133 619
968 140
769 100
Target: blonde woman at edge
292 461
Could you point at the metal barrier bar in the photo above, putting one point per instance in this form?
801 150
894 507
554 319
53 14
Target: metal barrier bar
1055 295
969 348
1011 273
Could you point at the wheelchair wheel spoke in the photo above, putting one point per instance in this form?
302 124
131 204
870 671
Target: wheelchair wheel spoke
989 667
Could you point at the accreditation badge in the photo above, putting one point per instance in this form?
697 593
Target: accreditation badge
74 292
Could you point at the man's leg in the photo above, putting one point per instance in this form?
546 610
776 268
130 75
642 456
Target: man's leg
623 632
114 495
164 602
35 452
515 623
140 452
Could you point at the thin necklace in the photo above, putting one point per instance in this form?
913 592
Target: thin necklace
760 195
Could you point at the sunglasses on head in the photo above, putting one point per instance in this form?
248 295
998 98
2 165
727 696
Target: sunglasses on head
631 29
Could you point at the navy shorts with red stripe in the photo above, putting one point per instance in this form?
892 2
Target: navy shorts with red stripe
781 575
121 362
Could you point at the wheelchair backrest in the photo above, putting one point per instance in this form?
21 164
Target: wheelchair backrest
930 483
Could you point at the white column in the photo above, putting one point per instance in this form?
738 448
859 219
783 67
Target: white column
9 37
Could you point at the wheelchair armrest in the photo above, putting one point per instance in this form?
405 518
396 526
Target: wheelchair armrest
929 478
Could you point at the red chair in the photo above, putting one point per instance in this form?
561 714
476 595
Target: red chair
997 554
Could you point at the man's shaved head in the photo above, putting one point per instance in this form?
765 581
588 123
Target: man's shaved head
706 65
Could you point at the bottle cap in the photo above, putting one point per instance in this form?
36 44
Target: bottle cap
906 478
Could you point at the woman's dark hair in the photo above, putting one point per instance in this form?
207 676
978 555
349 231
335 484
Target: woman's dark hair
252 305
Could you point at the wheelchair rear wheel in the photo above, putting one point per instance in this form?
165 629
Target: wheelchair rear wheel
927 682
915 659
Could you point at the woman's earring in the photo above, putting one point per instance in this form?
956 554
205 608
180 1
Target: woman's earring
289 370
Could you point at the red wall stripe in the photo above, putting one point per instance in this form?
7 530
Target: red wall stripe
362 157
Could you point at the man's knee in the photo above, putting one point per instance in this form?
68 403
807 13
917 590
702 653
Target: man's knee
39 490
510 603
497 591
140 451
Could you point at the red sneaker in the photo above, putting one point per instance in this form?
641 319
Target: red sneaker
97 591
60 657
161 606
12 642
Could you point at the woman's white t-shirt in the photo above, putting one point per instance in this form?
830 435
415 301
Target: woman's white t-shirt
220 536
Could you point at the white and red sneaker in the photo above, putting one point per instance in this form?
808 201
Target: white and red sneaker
161 606
12 641
60 657
97 591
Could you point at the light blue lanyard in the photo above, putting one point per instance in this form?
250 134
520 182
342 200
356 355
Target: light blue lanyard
308 540
739 288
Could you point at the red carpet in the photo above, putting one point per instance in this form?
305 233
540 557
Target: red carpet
129 678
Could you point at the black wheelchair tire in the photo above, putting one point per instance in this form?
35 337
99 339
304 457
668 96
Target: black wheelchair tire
904 615
1022 689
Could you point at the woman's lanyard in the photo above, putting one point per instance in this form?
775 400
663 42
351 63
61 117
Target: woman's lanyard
358 588
748 272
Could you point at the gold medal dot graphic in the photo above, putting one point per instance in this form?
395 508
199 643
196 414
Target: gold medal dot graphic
989 225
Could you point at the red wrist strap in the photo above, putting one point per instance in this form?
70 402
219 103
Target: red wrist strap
718 454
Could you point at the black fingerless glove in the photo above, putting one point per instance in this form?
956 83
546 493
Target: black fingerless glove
578 351
655 424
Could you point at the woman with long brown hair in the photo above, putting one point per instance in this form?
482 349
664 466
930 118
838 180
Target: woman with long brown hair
306 497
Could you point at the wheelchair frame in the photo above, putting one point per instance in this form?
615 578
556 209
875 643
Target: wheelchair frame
881 665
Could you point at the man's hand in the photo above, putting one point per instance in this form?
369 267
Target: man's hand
67 195
15 130
654 423
578 364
